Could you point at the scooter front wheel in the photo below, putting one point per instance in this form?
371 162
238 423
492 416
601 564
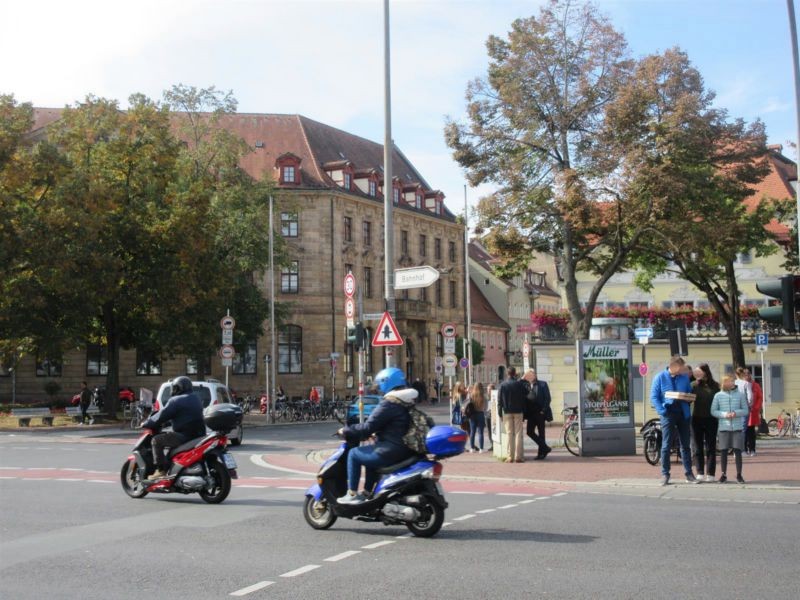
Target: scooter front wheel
318 514
431 520
222 483
131 478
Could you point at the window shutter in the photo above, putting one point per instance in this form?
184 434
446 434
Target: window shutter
776 383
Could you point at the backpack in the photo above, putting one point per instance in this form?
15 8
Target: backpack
418 427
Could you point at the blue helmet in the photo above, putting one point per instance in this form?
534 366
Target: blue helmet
389 379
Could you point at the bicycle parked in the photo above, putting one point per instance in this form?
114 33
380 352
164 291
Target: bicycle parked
786 424
652 437
571 431
139 412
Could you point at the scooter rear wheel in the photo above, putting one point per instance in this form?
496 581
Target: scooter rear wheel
131 478
318 514
431 521
222 483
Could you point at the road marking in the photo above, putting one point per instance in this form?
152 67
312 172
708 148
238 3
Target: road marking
257 460
446 524
8 477
471 493
341 556
527 501
514 494
464 517
405 535
67 479
485 511
377 545
560 494
252 588
98 481
507 506
542 497
301 571
260 487
292 487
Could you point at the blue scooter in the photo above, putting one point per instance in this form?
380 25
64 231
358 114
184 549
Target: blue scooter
408 493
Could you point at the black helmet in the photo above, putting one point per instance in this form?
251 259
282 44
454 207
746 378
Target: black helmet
181 385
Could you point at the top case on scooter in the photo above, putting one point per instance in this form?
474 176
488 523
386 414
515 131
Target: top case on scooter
444 441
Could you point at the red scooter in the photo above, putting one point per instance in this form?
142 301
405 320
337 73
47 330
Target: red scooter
201 465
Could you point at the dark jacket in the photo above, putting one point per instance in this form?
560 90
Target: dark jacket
539 399
86 397
389 422
705 391
185 412
511 397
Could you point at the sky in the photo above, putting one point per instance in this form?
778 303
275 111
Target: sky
324 58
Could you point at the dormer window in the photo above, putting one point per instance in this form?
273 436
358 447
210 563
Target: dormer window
287 174
418 200
288 166
373 188
396 196
348 180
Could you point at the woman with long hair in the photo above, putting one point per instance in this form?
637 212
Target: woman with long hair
457 402
704 425
477 418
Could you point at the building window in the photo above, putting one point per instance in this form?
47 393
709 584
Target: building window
289 224
451 251
48 366
290 278
367 233
373 189
147 362
193 366
347 181
404 241
290 350
439 293
423 245
418 200
453 295
423 294
244 361
367 282
395 195
287 174
437 249
348 229
96 359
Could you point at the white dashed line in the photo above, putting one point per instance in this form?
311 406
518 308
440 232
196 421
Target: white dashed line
8 477
446 524
292 487
504 507
377 545
300 571
515 494
464 517
342 556
542 497
67 479
485 511
252 588
405 535
560 494
527 501
260 487
470 493
99 481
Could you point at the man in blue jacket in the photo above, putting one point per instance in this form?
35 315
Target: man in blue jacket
675 415
185 410
389 422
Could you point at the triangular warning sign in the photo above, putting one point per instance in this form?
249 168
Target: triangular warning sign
386 333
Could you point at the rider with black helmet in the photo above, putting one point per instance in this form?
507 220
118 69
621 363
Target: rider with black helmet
185 410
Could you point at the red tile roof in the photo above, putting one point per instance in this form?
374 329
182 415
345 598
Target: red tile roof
777 184
481 312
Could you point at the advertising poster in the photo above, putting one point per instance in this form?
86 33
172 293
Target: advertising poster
605 383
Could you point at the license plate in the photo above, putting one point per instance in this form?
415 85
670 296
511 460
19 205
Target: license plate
230 462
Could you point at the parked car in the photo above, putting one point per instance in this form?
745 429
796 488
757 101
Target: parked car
212 393
370 402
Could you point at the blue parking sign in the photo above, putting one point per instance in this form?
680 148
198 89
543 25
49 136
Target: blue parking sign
762 341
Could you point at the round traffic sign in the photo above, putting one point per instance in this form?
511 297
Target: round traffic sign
463 363
450 360
349 308
526 350
643 369
227 351
349 285
449 330
227 322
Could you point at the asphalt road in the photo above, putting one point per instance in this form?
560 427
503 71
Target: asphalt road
68 531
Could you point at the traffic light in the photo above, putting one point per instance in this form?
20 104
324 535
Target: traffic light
786 289
355 335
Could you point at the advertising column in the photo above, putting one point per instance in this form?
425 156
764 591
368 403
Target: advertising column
605 382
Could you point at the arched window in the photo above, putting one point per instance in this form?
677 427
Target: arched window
290 349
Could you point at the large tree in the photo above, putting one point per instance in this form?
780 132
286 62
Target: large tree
137 238
533 131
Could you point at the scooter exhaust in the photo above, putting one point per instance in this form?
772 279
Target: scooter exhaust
401 513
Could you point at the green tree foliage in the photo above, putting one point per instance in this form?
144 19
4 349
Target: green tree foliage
696 167
128 235
477 351
534 128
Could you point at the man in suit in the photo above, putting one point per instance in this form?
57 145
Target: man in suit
510 406
537 412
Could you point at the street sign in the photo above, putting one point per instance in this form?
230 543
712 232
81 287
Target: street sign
643 368
349 285
449 371
227 337
526 350
350 312
227 351
227 362
371 316
386 333
438 368
449 330
463 363
643 341
449 345
762 342
227 322
643 332
437 361
450 360
415 277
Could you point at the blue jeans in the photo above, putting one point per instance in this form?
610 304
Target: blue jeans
364 456
476 422
669 423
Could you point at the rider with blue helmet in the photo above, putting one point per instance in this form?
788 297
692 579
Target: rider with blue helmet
389 422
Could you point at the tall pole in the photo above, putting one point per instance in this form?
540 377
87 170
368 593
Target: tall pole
274 360
796 64
388 187
468 304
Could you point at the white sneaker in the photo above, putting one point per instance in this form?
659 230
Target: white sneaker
350 498
710 478
480 450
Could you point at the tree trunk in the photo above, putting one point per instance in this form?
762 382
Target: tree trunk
112 378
